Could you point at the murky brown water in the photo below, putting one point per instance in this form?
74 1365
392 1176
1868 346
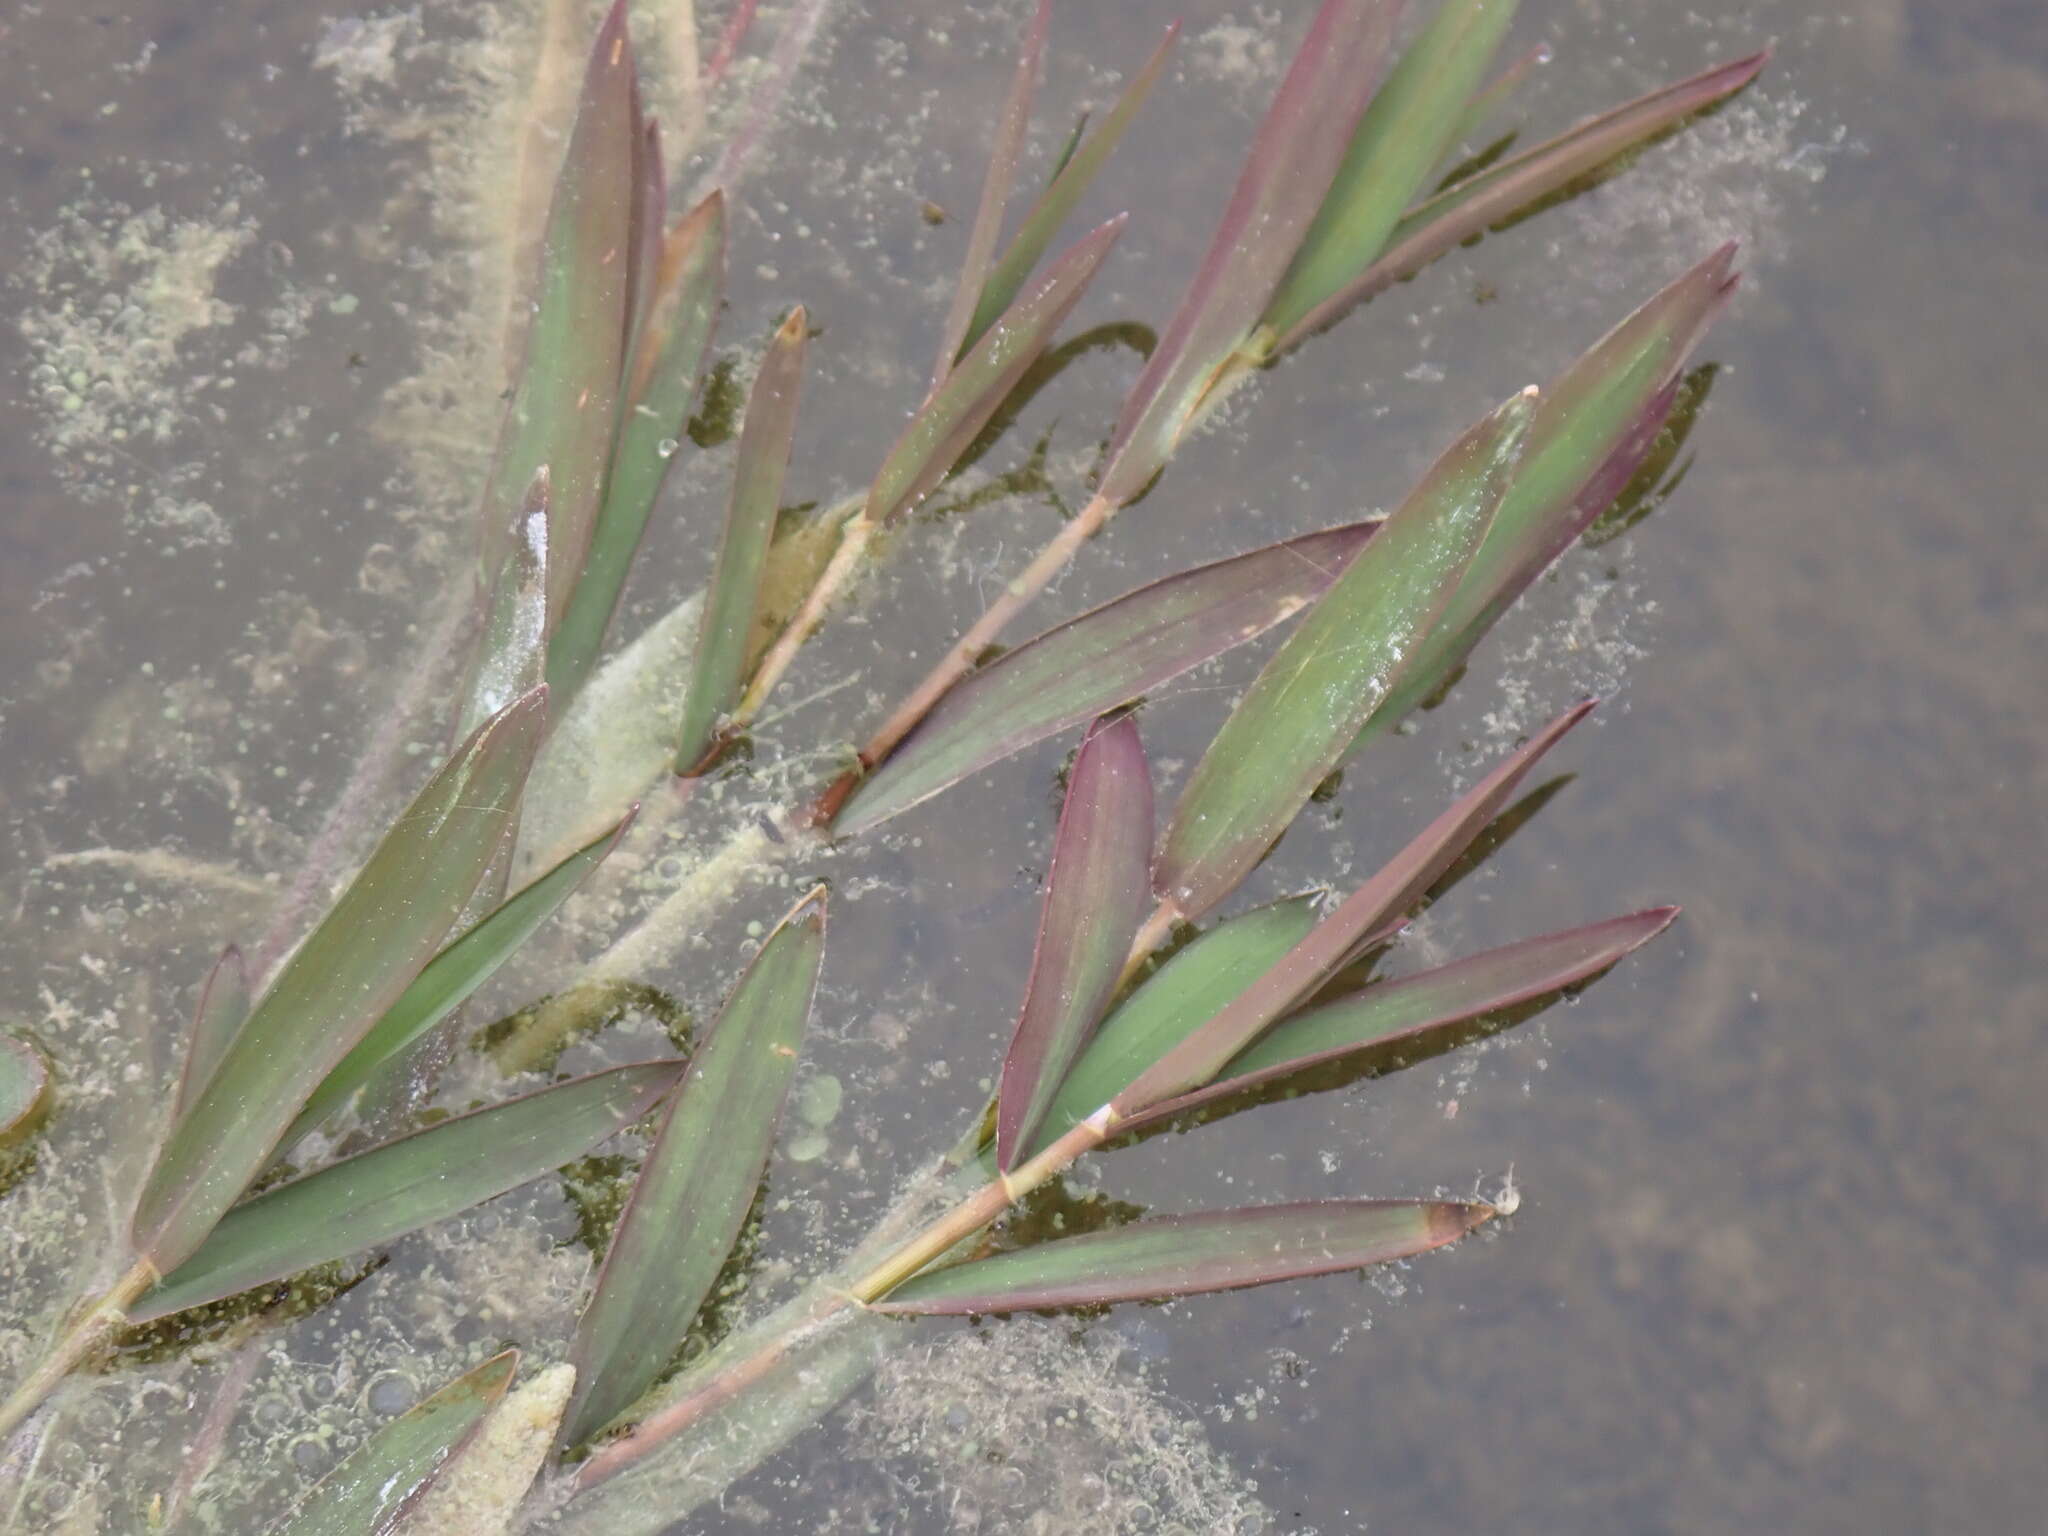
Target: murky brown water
1780 1262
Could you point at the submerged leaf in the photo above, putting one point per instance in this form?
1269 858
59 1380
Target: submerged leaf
1185 1255
223 1005
24 1087
1294 722
511 657
370 1492
405 1184
352 968
1097 892
691 1198
1091 664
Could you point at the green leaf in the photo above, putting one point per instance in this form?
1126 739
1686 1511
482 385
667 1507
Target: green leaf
373 1490
1294 723
346 975
1191 988
692 1196
1076 172
223 1005
1394 1010
453 975
686 286
1412 121
1091 664
733 600
24 1088
1186 1255
1097 892
1288 171
407 1183
511 657
953 415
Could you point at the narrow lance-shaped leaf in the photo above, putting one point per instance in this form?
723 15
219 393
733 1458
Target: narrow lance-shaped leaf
223 1005
1494 95
24 1088
1593 425
1097 892
1337 939
1395 1010
1471 206
1003 156
1285 176
381 1481
405 1184
511 657
352 968
1077 171
565 396
667 362
1186 1255
453 975
1106 657
1191 988
692 1196
719 667
953 415
1325 681
1412 121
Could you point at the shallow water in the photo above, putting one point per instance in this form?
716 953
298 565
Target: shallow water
1779 1261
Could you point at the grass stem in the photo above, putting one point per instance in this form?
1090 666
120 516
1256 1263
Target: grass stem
79 1340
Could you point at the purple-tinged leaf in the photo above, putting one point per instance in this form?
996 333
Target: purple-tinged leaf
1003 156
649 223
1091 664
694 1190
223 1005
372 1492
1292 160
1357 921
1494 95
732 601
565 396
1475 204
1186 1255
1394 1010
1594 425
1076 172
1301 712
337 984
1096 894
953 415
405 1184
25 1085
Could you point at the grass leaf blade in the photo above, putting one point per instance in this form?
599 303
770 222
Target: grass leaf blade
511 656
380 1482
407 1183
1097 892
692 1196
1091 664
222 1007
352 968
1187 1255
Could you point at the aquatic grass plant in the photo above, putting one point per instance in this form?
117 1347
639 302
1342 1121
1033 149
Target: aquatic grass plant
1134 1016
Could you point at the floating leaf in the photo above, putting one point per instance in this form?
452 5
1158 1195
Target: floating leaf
24 1088
1292 160
733 599
1182 995
404 1184
1003 156
1593 426
1359 921
1449 994
953 415
1077 169
372 1491
511 658
1097 892
692 1196
1102 659
223 1005
1185 1255
1294 723
353 967
453 975
565 396
1473 205
687 284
